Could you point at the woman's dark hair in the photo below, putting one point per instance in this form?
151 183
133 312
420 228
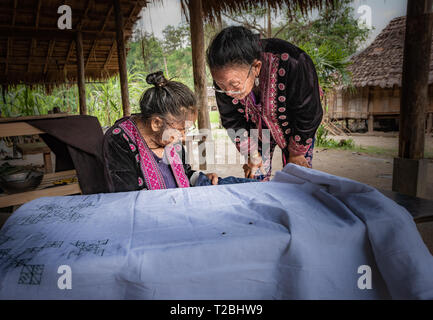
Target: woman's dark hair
233 45
166 97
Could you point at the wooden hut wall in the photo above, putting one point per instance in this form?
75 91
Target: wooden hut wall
376 100
348 105
385 101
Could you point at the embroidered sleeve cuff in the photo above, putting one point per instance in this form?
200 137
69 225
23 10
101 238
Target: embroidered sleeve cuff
296 148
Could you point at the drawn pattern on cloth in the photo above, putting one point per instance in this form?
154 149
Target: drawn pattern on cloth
95 247
51 213
31 274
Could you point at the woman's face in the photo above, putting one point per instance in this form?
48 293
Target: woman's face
172 130
237 80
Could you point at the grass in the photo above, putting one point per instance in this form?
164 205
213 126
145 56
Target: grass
372 150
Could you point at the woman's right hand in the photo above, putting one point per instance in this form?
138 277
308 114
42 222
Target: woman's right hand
254 163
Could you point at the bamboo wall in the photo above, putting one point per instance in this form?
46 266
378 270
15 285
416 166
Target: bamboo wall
368 100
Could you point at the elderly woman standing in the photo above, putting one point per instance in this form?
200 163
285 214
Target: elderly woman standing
265 84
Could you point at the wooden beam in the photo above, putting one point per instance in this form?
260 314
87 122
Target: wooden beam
81 75
71 47
49 53
79 26
52 34
199 67
110 54
38 13
32 46
33 41
121 55
95 43
414 92
8 49
83 15
38 61
14 16
10 42
138 5
113 47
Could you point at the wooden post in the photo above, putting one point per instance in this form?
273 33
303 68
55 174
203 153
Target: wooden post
121 55
370 123
429 123
199 70
80 74
414 94
410 169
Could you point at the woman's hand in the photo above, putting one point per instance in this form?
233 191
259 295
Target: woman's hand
299 160
254 163
213 177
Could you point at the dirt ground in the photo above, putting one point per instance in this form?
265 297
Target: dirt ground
374 170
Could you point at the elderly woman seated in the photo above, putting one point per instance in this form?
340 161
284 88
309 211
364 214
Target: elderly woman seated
145 151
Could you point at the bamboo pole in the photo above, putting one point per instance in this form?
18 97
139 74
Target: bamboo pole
80 74
199 69
121 55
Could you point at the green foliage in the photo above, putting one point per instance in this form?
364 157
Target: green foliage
146 54
330 37
176 38
25 101
323 141
331 64
321 136
336 26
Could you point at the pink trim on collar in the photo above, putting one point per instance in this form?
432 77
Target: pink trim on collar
149 167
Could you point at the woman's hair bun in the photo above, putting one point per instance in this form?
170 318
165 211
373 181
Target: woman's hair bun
157 79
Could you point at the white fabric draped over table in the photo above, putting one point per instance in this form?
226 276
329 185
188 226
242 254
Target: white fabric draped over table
303 235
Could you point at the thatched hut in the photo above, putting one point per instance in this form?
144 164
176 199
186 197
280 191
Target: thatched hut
377 76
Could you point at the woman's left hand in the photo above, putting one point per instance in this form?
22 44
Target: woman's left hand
299 160
213 177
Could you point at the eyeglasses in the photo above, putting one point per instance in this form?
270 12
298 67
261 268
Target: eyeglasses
186 130
235 92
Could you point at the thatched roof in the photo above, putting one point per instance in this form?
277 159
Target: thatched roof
381 64
213 9
34 51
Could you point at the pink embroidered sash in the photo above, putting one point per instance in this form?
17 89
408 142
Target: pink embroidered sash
149 167
268 103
